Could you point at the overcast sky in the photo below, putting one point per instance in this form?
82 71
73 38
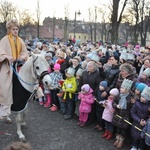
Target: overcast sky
56 7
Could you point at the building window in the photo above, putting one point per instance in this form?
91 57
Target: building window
85 37
79 37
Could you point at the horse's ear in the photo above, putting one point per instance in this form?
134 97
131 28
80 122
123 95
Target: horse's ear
33 55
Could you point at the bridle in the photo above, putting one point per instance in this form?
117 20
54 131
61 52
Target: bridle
41 76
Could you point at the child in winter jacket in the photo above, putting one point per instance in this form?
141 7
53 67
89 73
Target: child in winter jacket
87 99
108 113
99 108
139 87
122 107
56 76
145 134
69 87
139 114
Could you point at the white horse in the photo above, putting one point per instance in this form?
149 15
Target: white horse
34 69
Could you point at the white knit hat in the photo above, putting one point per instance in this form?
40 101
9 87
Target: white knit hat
48 54
123 56
147 72
79 72
114 92
146 93
95 58
127 84
130 57
71 71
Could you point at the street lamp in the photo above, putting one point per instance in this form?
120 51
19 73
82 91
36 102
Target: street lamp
76 13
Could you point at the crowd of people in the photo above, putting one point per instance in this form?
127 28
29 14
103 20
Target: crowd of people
107 84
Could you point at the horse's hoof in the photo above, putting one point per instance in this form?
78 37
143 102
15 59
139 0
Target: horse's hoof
23 140
8 120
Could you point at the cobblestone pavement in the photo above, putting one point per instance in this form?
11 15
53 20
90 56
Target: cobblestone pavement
49 131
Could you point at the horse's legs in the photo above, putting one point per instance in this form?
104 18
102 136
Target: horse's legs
6 119
18 122
23 123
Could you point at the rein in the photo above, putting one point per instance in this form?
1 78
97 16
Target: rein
39 77
30 84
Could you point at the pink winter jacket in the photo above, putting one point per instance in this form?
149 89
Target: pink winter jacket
87 100
108 111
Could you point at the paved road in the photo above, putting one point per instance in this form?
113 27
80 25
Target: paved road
49 131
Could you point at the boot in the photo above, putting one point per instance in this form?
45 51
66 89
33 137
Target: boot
121 142
109 136
117 140
105 134
48 102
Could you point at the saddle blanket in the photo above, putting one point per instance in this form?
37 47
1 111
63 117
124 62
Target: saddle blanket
20 95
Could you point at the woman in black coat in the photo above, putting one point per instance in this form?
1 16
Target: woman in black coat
111 74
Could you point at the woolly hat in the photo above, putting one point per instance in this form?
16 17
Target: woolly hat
79 72
85 88
130 57
56 67
127 67
123 56
39 44
89 56
71 71
147 72
140 86
146 93
48 54
103 84
126 84
114 92
137 46
95 58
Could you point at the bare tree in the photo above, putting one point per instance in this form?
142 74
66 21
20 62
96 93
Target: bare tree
26 21
38 13
7 12
140 10
104 13
66 9
145 20
116 19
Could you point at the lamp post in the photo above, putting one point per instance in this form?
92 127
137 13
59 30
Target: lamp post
76 13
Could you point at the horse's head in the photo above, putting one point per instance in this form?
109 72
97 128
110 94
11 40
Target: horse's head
40 67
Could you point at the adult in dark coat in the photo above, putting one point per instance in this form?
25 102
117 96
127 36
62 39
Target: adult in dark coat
91 77
76 65
111 74
126 72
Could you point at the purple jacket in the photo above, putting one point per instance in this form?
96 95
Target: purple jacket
138 111
86 101
108 111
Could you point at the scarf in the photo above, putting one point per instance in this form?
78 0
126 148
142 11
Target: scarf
123 101
15 46
60 61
